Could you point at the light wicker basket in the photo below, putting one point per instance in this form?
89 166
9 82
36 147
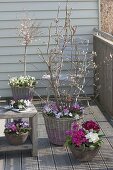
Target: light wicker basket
22 93
84 155
56 128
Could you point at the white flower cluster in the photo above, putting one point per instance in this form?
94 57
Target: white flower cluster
22 81
20 104
93 137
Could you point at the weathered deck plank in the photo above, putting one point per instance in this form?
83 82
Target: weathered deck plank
52 157
13 161
61 158
2 161
45 156
28 162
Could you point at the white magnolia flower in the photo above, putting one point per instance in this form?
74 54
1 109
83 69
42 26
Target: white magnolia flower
93 137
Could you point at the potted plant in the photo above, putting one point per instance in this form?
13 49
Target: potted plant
23 86
58 120
17 131
20 105
67 69
84 140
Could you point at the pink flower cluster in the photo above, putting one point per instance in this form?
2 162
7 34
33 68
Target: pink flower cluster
82 134
74 110
16 127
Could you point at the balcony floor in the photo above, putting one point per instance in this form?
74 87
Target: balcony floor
51 157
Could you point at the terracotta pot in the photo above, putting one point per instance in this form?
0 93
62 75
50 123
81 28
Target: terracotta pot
16 139
22 93
84 155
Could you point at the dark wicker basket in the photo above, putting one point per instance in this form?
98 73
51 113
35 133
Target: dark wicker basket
56 128
22 93
16 139
84 155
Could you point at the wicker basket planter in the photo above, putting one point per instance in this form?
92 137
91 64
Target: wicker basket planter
56 128
16 139
22 93
84 155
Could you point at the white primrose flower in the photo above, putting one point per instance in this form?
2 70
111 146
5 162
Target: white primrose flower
77 117
58 115
93 137
70 114
20 106
26 81
27 102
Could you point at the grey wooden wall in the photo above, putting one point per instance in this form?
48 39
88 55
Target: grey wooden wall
84 15
103 46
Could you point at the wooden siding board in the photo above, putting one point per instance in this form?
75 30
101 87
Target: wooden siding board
49 15
17 6
18 1
43 22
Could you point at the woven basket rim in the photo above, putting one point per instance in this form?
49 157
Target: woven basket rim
27 87
57 119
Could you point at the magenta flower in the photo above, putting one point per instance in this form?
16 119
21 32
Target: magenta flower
91 125
13 128
16 127
74 110
80 135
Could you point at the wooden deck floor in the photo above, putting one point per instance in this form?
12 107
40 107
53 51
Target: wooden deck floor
51 157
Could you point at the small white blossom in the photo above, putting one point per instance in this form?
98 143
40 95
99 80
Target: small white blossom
27 102
77 117
93 137
58 115
70 114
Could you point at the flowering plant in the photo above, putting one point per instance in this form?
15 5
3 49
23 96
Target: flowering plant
20 104
84 136
74 111
27 32
68 66
22 81
17 127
